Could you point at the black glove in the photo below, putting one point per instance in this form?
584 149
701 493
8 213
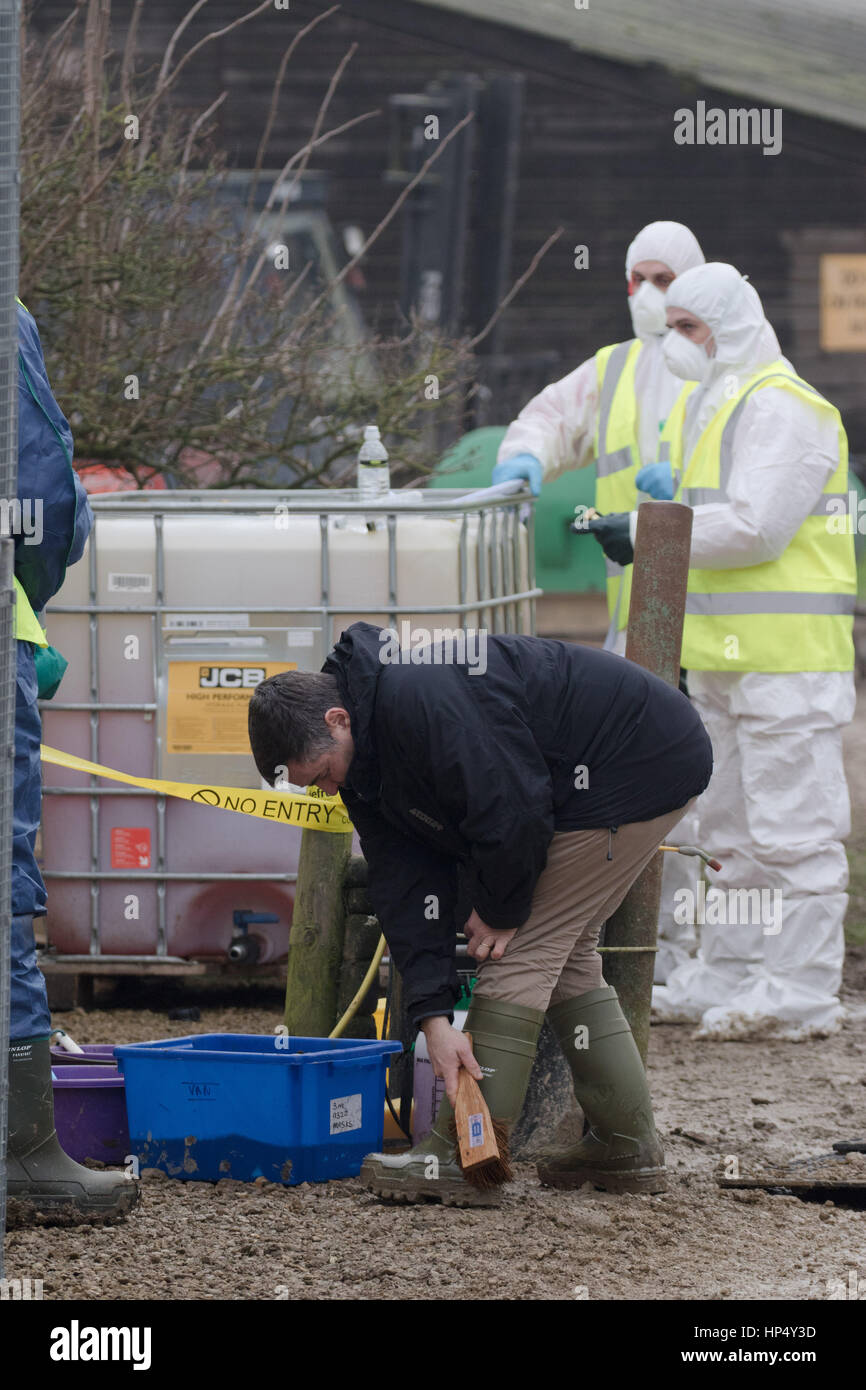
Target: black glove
612 534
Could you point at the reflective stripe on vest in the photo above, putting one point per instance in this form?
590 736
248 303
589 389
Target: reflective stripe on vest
671 437
794 613
617 455
27 625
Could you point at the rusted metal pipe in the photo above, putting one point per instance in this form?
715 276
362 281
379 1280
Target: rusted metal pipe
655 637
658 593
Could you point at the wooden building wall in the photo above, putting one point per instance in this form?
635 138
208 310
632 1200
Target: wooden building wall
598 158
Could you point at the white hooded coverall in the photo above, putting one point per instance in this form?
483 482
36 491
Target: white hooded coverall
777 808
558 427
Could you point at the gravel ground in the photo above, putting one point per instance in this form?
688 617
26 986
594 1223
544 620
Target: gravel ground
763 1103
773 1101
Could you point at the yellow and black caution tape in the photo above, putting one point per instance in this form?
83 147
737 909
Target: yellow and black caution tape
309 811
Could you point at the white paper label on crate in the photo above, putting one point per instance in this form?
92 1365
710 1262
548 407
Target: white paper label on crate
476 1131
345 1113
209 622
301 636
130 583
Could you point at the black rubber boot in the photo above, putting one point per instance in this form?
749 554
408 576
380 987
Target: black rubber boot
504 1039
621 1151
42 1179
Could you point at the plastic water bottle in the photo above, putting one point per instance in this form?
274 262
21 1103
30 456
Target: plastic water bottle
374 475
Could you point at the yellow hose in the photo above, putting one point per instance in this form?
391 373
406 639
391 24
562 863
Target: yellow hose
367 981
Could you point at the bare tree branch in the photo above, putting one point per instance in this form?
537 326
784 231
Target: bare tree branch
194 129
249 240
167 79
517 286
275 98
129 50
165 65
392 211
317 126
240 378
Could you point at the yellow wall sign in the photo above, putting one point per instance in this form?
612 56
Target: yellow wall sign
843 303
207 704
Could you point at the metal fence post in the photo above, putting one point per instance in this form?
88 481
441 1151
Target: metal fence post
10 20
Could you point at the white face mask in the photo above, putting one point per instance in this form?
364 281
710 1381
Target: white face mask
647 309
684 358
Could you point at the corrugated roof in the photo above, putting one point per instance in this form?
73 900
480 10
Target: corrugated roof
807 55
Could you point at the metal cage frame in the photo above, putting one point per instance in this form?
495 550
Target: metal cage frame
500 607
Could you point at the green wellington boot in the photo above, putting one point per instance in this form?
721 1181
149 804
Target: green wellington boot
504 1039
41 1177
621 1151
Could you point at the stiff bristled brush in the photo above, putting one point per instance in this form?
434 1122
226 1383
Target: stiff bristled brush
482 1142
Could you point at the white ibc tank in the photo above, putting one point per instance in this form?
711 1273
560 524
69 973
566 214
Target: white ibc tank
184 601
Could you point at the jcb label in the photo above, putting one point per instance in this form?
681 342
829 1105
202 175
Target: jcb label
345 1113
230 677
208 705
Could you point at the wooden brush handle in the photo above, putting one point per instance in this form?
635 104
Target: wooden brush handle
474 1127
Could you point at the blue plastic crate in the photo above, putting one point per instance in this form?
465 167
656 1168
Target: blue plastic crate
239 1105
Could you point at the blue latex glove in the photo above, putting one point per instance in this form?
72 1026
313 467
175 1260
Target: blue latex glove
658 480
521 466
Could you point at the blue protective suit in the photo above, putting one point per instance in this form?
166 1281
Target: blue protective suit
54 492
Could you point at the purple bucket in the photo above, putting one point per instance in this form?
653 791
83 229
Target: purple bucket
90 1112
95 1054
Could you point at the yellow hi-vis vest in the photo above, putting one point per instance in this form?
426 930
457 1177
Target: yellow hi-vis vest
27 625
794 613
617 455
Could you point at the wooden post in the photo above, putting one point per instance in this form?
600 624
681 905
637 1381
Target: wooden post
360 940
401 1072
316 937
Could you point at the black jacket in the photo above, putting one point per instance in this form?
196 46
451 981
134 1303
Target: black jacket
459 780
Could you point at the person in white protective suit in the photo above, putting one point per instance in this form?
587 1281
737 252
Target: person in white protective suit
769 649
610 411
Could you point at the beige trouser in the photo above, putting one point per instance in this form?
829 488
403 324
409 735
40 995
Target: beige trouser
554 956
